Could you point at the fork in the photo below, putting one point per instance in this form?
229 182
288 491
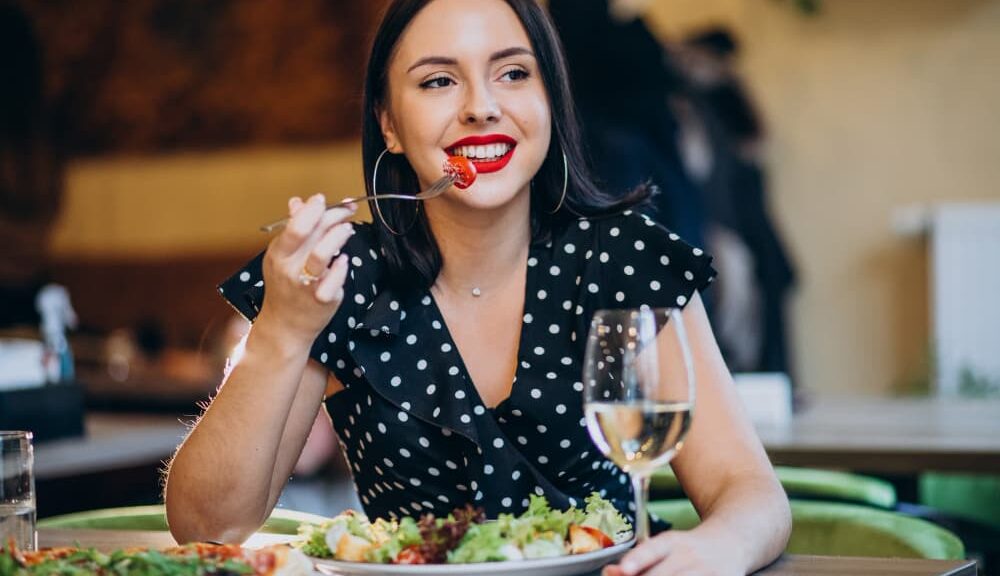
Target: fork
435 189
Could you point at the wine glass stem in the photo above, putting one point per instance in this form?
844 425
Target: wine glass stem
640 490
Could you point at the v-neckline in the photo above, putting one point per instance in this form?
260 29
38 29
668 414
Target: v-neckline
473 390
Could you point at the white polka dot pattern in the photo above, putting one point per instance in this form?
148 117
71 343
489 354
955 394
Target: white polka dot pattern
417 435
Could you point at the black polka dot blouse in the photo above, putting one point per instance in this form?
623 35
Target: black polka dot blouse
416 434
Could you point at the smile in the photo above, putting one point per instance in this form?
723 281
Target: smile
489 153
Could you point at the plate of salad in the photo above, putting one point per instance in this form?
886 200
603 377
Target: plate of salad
539 542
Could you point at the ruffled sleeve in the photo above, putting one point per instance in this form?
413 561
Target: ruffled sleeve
643 263
245 291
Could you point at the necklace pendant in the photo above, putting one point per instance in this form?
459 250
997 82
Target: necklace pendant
477 292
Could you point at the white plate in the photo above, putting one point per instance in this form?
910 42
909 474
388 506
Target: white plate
561 566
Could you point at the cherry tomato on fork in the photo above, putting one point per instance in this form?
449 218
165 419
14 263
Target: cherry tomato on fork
463 169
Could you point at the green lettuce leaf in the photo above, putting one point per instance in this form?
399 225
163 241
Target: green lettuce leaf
482 543
601 514
398 536
313 542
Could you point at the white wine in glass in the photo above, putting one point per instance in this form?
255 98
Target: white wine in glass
638 393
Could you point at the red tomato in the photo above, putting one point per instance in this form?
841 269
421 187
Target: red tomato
463 169
410 555
601 537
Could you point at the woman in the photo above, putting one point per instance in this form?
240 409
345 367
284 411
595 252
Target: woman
447 341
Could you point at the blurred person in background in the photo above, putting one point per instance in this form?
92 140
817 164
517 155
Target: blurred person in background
739 196
621 81
31 170
677 116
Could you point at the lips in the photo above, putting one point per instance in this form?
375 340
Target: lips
489 152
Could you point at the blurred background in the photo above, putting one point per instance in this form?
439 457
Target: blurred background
838 157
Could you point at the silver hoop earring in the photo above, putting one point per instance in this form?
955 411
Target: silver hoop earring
562 197
378 209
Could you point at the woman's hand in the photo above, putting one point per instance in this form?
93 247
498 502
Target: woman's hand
677 552
305 284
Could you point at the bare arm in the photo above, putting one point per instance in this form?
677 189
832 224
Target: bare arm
228 473
723 468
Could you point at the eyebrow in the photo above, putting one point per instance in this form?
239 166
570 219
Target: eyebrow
446 61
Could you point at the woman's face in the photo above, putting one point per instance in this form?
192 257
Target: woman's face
464 81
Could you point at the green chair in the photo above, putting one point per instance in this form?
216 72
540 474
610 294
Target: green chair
803 484
154 518
837 529
968 496
968 505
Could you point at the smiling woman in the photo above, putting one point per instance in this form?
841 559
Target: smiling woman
446 342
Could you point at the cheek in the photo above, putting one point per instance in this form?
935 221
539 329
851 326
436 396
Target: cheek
537 124
419 124
537 118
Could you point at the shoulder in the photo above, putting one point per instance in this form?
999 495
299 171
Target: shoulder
628 232
636 259
365 250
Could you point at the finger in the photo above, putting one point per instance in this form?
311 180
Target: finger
330 219
301 225
612 570
325 248
331 288
335 216
645 555
294 204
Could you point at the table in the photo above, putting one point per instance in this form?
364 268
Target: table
876 434
788 565
889 435
792 565
117 463
112 441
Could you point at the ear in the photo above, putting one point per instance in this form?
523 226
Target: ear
388 130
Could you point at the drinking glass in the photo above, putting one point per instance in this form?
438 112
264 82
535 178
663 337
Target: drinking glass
17 491
638 393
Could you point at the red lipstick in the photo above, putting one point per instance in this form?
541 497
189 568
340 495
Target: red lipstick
484 166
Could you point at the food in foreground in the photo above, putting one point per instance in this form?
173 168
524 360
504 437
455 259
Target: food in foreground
464 536
190 560
462 169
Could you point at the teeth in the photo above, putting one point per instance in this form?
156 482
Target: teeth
486 152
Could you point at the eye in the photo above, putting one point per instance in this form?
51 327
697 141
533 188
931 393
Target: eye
515 74
437 82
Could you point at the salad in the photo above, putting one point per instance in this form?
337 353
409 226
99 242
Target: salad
464 536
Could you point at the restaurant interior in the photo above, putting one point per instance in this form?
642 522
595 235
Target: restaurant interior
838 158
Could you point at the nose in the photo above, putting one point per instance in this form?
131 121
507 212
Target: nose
480 106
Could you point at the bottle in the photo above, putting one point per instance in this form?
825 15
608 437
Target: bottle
57 314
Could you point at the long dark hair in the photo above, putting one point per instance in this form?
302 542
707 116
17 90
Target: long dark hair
413 259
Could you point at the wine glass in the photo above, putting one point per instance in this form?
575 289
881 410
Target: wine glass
638 393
